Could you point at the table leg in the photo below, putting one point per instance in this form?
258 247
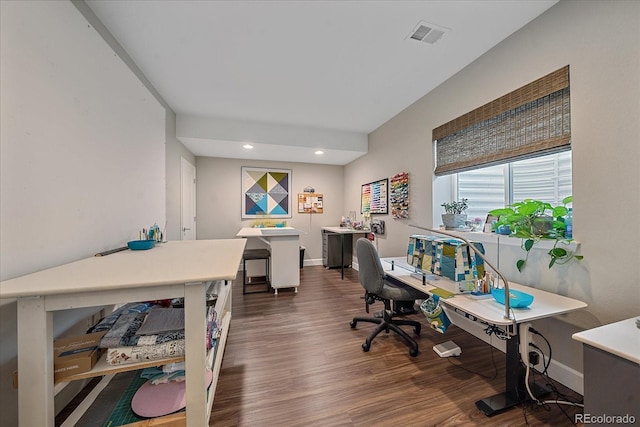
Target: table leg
342 256
35 363
515 389
195 353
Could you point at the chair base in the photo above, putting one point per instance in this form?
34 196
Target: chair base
387 323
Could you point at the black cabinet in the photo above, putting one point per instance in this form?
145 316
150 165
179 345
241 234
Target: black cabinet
332 247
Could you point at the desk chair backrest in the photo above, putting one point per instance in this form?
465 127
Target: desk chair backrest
370 272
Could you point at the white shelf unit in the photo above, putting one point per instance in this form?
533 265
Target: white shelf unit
213 360
171 270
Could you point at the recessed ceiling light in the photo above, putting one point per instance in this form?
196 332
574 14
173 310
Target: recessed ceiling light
247 146
319 152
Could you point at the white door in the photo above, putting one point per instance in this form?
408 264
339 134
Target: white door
188 201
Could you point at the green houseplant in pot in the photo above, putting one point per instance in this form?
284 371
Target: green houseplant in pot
454 216
534 220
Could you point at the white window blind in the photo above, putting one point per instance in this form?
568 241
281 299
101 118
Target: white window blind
484 188
546 178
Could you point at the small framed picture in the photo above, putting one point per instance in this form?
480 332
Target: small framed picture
488 224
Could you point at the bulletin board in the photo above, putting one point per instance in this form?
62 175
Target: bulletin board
374 197
310 203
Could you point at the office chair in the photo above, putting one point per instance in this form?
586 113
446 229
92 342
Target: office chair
379 288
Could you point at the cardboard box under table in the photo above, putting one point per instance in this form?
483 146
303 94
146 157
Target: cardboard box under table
75 354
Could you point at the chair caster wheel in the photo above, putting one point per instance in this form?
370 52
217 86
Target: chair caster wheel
365 347
353 324
413 352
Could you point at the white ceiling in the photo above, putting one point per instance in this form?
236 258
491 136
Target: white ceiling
343 67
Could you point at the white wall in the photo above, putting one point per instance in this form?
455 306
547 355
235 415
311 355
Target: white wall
219 198
601 43
82 154
175 151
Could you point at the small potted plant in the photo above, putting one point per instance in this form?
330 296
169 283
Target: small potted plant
454 216
534 220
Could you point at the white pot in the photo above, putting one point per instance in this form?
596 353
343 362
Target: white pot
453 221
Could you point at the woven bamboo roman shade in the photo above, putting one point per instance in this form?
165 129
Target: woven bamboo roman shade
531 121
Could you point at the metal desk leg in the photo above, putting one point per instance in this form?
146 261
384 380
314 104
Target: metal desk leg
342 256
515 389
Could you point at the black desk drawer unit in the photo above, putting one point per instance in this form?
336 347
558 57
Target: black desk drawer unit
332 249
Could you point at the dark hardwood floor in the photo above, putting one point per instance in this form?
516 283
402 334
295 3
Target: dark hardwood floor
293 360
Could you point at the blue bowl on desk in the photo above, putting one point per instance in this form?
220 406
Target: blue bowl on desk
517 299
141 245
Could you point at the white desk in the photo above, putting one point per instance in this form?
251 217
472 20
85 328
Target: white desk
620 338
612 369
170 270
545 304
284 243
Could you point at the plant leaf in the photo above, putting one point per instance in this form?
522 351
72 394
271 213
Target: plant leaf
500 212
528 244
558 253
578 256
513 218
553 261
559 211
567 200
520 265
528 208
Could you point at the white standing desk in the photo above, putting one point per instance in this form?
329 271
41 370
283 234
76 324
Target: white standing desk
488 310
170 270
284 244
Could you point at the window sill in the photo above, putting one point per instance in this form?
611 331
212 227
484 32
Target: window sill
499 239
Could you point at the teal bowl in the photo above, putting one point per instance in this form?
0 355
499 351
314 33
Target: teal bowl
141 245
517 299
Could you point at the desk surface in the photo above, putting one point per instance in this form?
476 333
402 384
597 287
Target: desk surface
345 230
268 232
619 338
545 304
166 263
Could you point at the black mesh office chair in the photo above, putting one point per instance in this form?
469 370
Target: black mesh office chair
378 288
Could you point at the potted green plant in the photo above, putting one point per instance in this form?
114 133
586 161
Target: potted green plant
534 220
455 216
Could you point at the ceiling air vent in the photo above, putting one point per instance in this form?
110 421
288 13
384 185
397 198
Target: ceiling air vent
426 32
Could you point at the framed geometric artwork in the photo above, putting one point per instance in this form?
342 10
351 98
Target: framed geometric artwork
265 192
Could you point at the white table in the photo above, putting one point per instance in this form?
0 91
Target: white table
545 304
170 270
284 244
612 369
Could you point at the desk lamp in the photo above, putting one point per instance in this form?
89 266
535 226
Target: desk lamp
507 308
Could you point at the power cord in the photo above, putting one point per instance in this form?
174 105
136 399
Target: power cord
501 334
493 360
545 374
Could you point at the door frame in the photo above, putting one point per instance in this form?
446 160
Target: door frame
186 166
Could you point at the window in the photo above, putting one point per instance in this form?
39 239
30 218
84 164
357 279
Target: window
515 147
546 178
